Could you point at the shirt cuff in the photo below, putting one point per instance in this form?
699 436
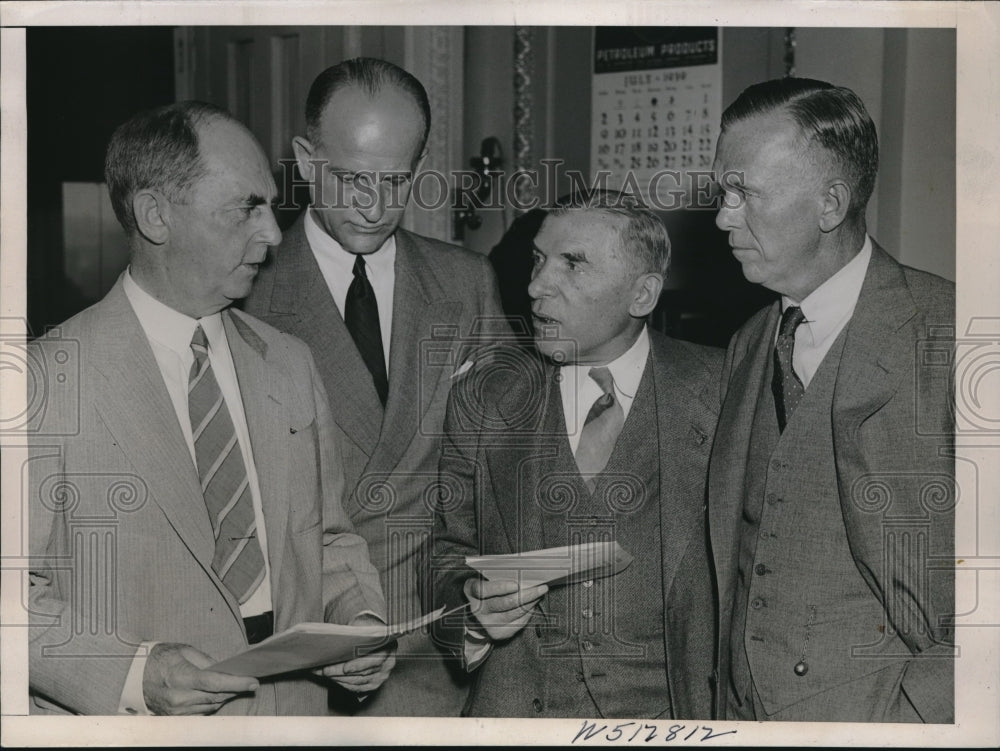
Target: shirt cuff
133 701
475 648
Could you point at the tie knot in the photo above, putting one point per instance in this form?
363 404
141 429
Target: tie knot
604 379
359 267
790 320
199 342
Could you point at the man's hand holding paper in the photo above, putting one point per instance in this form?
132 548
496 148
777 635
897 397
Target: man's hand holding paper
366 673
502 607
178 681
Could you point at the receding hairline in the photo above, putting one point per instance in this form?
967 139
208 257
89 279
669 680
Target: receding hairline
387 88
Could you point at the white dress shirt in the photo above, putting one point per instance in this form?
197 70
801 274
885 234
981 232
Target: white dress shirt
580 391
827 310
169 333
337 267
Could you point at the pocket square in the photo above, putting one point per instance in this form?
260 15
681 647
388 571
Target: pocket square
462 369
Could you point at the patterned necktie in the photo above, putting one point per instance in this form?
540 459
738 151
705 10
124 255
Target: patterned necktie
238 559
361 317
785 384
600 430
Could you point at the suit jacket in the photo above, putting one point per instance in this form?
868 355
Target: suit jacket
120 537
893 437
445 303
494 429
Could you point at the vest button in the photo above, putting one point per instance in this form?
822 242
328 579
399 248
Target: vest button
756 603
760 569
579 677
587 613
537 704
801 668
776 465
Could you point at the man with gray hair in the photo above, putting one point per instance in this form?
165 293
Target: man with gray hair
603 435
185 492
831 497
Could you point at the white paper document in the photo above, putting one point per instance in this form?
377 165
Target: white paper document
554 566
310 645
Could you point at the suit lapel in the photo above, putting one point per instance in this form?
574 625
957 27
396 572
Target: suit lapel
418 308
300 291
139 414
263 387
519 467
682 429
732 443
877 350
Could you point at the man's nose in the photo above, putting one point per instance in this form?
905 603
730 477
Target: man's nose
539 285
371 203
272 233
729 212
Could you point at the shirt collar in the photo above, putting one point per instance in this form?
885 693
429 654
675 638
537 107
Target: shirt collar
322 244
166 326
626 369
827 305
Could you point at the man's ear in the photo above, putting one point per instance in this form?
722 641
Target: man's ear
152 213
645 294
304 152
836 204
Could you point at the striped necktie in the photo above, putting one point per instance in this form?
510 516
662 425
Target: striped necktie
785 383
600 430
238 559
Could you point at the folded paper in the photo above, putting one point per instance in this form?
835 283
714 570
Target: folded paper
554 566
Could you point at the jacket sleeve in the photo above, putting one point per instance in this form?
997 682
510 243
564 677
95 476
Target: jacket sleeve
78 654
461 479
897 471
350 581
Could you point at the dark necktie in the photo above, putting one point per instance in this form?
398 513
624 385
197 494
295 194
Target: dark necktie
600 430
785 384
361 317
238 559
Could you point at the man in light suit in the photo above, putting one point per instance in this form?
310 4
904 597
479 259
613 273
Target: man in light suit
390 317
185 495
606 436
831 495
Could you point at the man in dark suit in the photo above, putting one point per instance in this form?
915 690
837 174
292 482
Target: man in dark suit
831 496
390 317
606 436
185 494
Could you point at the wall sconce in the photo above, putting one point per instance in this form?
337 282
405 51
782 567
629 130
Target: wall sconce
486 168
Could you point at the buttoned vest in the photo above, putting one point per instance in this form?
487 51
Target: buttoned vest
804 620
600 643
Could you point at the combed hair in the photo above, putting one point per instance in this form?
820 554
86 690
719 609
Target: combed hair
157 149
832 116
371 75
642 236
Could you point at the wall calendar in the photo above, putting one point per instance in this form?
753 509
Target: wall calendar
656 105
